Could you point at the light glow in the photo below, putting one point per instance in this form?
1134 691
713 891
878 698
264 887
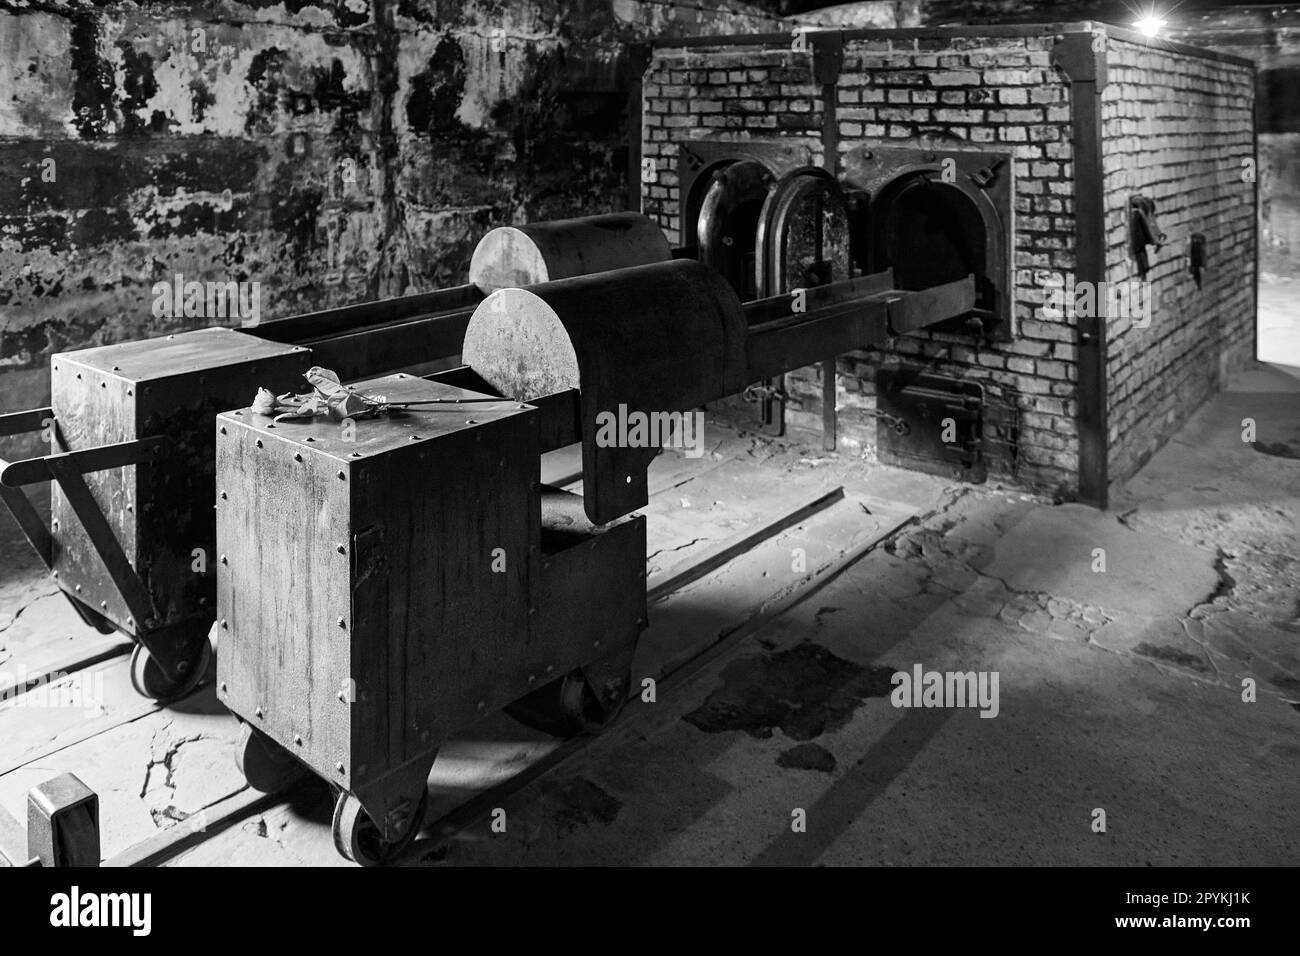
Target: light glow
1150 25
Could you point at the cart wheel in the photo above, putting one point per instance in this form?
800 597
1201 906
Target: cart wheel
569 706
266 765
149 679
358 839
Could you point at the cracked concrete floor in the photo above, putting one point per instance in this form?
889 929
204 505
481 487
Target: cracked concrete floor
1121 640
1148 663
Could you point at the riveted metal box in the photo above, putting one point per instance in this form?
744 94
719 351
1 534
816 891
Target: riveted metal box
160 511
374 576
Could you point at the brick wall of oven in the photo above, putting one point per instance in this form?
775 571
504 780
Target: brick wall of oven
988 89
994 93
725 92
1176 128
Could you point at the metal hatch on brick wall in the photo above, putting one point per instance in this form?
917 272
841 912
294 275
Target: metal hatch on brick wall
931 423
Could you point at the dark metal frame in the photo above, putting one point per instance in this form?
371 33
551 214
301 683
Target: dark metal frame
1084 65
66 469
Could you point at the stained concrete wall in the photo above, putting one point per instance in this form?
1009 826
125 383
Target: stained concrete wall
331 151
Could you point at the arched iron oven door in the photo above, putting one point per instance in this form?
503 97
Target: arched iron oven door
727 224
803 241
930 230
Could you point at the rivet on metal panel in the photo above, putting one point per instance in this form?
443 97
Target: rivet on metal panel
240 414
342 550
270 424
532 678
341 622
55 524
309 438
595 643
257 712
224 688
223 560
629 479
355 454
297 739
470 421
225 625
222 429
54 574
342 476
77 588
532 610
415 438
297 456
103 604
339 766
103 385
118 368
223 496
482 706
258 443
129 393
549 668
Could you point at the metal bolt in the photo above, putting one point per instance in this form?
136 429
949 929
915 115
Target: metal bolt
225 626
342 476
258 443
223 560
223 496
415 438
222 429
77 588
342 696
103 604
223 687
297 739
341 622
257 712
470 421
297 457
270 424
339 766
342 550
